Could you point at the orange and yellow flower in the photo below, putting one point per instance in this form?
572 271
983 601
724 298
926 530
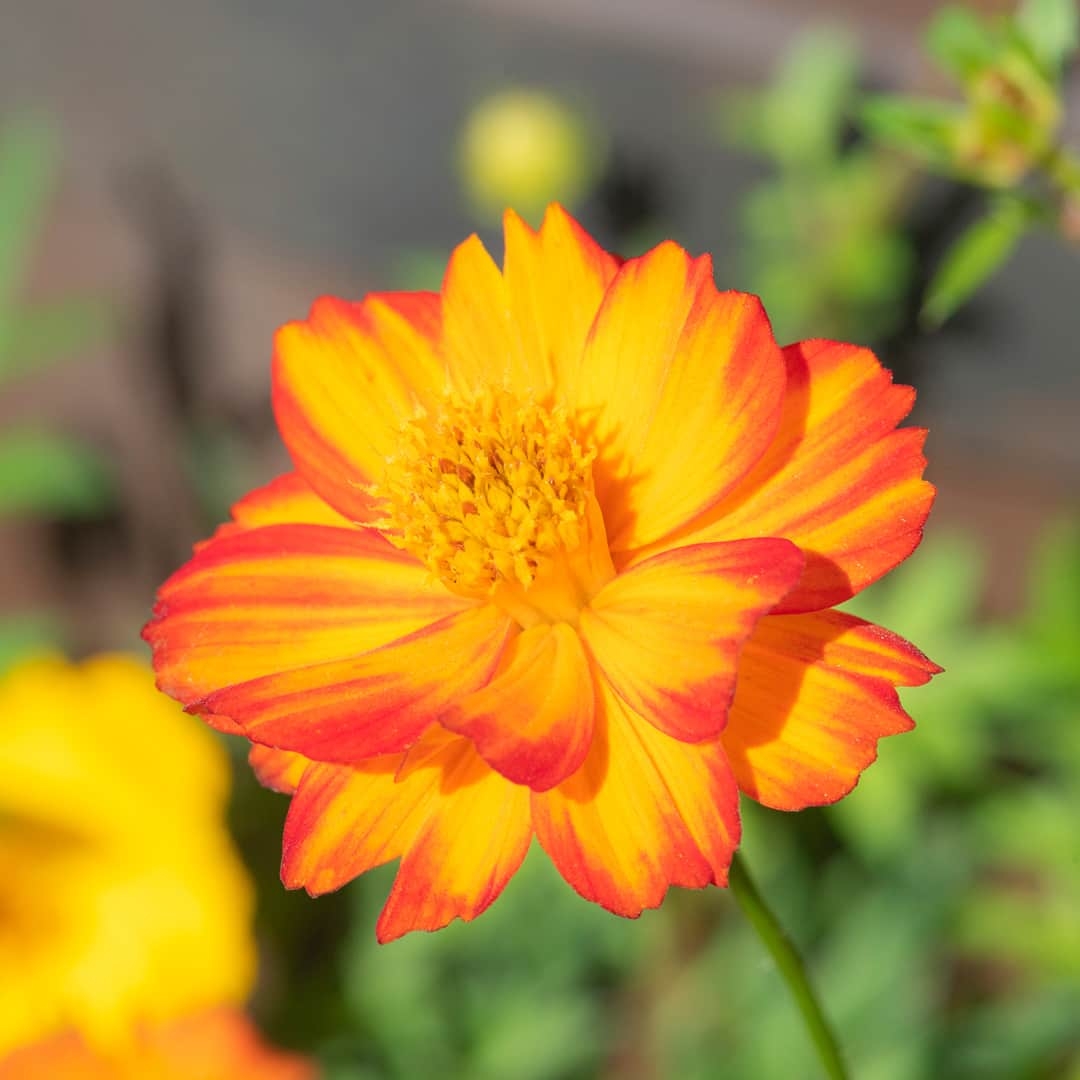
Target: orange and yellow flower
558 559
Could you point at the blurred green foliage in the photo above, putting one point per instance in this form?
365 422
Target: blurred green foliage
822 240
824 237
1002 135
34 335
51 476
42 474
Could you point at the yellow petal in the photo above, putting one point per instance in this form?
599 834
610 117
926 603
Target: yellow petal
681 388
644 812
346 380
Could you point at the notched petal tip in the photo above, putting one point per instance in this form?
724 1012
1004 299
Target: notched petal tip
815 694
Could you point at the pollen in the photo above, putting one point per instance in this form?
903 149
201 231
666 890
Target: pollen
487 490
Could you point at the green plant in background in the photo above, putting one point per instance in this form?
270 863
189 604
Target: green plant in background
989 780
821 240
42 474
1003 135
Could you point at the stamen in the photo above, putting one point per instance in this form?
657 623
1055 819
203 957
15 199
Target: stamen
488 490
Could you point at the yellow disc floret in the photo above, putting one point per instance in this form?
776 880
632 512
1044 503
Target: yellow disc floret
487 489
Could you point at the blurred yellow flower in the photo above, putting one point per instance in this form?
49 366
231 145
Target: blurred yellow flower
525 148
122 900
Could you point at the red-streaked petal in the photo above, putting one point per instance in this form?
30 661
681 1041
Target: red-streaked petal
534 720
468 849
344 382
286 500
258 602
838 480
278 770
555 280
681 389
460 829
377 703
645 811
815 693
668 633
347 819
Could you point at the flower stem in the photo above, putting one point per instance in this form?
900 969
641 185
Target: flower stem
790 965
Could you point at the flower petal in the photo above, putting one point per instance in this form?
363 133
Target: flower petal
644 811
838 480
523 329
376 703
681 389
347 819
460 829
280 597
555 281
278 770
534 720
815 694
468 849
667 633
345 380
287 500
480 342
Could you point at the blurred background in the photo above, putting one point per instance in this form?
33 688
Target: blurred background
177 180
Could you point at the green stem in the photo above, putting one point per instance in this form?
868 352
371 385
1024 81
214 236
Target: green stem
790 965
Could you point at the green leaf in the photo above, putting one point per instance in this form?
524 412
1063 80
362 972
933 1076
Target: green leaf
810 99
51 475
799 118
1050 30
920 126
961 42
49 332
27 167
974 258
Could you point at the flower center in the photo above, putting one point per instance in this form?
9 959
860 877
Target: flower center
489 492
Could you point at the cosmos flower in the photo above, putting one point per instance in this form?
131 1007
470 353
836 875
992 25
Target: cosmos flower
559 559
123 899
